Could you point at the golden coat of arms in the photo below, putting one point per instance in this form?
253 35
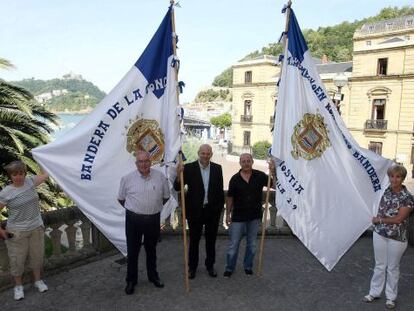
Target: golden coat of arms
310 137
146 135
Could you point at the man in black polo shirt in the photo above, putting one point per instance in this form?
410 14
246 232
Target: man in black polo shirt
244 212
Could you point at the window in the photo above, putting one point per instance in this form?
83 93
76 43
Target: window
248 77
409 22
368 43
247 107
382 66
375 147
412 155
246 138
378 109
371 28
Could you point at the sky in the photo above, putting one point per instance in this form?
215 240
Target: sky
102 39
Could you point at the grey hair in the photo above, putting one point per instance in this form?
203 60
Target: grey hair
205 146
141 151
15 166
246 154
397 169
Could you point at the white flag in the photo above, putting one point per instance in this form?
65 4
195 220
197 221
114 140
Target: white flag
89 161
328 187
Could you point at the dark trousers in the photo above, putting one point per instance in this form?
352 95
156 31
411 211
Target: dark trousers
210 225
136 227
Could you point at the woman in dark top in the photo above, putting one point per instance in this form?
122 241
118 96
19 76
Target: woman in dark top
390 236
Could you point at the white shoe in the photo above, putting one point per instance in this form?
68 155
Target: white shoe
369 298
41 286
18 292
390 304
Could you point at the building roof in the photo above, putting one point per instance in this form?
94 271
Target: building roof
392 40
389 25
334 67
329 68
264 57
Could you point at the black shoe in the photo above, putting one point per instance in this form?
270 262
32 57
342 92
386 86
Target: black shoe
157 283
227 274
191 274
248 271
212 272
129 289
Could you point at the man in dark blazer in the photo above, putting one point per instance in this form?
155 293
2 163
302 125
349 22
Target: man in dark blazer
204 200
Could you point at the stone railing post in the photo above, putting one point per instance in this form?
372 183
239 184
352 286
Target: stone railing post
71 234
179 218
174 219
100 242
272 211
56 235
86 233
167 223
279 222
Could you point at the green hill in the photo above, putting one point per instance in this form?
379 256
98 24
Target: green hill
333 41
78 94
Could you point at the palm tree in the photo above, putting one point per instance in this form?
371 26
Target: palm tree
23 126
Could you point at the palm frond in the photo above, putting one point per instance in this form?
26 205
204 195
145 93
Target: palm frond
5 64
16 140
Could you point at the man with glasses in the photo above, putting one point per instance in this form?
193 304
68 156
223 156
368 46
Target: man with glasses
143 193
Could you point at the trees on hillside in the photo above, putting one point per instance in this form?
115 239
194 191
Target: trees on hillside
225 79
211 95
333 41
222 121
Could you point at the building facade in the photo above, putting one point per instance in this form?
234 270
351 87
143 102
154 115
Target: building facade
378 102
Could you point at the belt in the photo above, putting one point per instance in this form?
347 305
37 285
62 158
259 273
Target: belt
143 215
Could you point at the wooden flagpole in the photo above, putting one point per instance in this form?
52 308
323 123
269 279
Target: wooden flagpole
182 195
264 222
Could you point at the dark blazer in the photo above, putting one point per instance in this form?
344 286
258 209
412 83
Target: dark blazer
194 197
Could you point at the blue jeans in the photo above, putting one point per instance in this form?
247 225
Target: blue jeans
236 231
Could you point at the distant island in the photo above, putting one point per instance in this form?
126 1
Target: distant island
69 94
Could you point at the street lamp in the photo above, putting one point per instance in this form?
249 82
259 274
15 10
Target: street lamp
340 80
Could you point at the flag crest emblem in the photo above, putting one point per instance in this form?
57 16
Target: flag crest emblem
310 137
146 135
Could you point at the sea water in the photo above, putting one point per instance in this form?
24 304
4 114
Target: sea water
66 123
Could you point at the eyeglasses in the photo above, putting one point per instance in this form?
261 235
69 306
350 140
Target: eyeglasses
143 161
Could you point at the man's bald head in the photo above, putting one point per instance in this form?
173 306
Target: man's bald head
205 152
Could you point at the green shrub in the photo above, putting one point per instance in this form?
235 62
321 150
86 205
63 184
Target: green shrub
49 247
190 149
260 149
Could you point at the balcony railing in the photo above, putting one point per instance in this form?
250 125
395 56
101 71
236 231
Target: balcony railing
376 125
246 119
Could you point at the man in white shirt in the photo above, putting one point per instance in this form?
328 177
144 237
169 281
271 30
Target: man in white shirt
143 193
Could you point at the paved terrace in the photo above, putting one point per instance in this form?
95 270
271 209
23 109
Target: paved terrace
293 280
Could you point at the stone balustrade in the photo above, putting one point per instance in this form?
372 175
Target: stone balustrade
72 238
274 224
69 238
